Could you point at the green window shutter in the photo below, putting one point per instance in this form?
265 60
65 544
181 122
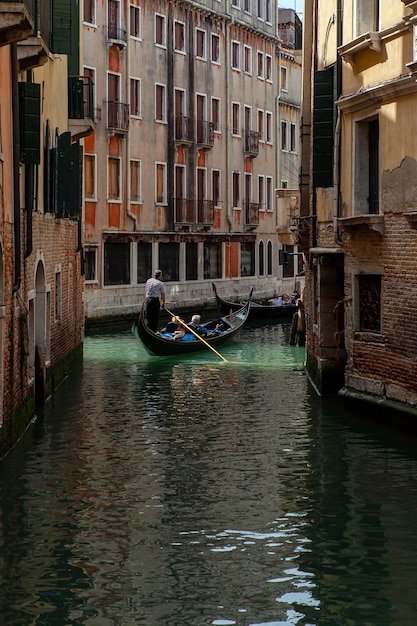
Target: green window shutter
323 127
64 181
30 123
61 27
76 176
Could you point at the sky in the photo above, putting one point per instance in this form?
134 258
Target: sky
298 5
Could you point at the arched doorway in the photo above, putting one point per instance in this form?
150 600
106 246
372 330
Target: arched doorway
40 325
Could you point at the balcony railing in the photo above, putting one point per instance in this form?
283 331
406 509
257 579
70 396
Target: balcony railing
252 142
184 211
205 133
205 212
251 214
117 116
116 34
184 129
80 98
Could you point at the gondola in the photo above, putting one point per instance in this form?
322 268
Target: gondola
257 310
219 331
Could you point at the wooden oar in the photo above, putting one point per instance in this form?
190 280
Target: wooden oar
196 334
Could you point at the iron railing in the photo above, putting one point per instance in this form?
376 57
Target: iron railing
184 129
252 142
251 214
117 116
205 133
205 212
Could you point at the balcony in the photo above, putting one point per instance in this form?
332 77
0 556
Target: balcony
251 215
205 134
184 211
117 117
184 130
81 112
117 36
205 212
36 49
252 143
17 21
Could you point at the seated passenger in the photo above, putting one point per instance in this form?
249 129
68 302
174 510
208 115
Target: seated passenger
196 325
171 327
276 301
179 333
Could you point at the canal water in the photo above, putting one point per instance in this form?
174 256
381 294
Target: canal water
193 491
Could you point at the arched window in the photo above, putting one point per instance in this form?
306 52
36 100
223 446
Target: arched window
269 258
261 259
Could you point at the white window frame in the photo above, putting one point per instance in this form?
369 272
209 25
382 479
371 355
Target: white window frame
214 36
219 110
268 78
94 196
284 136
269 128
261 130
261 196
162 202
138 11
269 193
238 133
202 57
235 45
92 248
119 159
138 82
140 199
162 44
218 206
260 55
247 50
179 50
163 119
94 22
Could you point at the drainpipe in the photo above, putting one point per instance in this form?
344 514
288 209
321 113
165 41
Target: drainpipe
336 160
127 51
16 166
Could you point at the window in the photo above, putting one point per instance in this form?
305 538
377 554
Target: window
292 138
135 22
283 135
144 261
247 259
90 111
236 4
246 6
235 55
90 192
268 127
261 125
135 99
135 181
179 37
215 114
370 303
367 16
212 260
160 36
268 11
283 74
216 190
160 183
235 118
268 67
288 266
260 64
169 260
366 172
116 263
113 178
236 189
160 103
201 43
261 193
113 19
215 48
269 258
247 59
191 261
269 192
261 7
261 258
90 264
89 11
58 295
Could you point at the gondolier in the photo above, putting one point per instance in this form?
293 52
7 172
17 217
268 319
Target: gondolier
154 298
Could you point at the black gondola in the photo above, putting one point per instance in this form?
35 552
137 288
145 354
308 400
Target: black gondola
257 310
219 331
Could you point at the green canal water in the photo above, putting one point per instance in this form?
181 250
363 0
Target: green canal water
190 491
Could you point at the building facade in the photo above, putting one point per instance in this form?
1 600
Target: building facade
182 170
359 204
41 281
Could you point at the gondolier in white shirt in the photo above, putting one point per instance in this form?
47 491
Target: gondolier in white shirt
154 298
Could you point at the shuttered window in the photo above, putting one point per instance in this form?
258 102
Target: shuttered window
30 123
323 127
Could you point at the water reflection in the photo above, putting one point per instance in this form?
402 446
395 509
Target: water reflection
197 492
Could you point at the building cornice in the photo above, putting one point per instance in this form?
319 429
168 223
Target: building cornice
376 94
